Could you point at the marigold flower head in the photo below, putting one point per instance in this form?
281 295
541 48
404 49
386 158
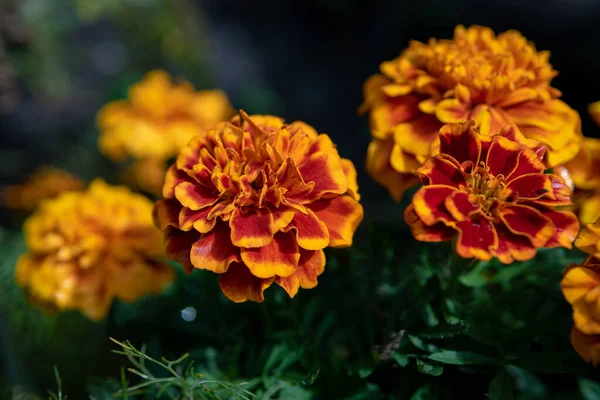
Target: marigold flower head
584 173
492 79
88 248
493 193
256 201
46 182
159 118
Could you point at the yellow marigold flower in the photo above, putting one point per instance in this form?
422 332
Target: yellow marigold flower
584 172
492 79
88 248
256 201
46 182
159 118
493 194
581 287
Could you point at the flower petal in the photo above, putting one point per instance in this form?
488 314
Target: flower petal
166 213
513 247
459 206
429 204
239 285
461 142
326 171
531 186
434 233
567 228
311 232
196 219
280 257
173 177
451 111
341 215
310 266
252 228
527 221
587 346
441 169
177 246
588 240
194 197
214 250
417 136
476 239
503 155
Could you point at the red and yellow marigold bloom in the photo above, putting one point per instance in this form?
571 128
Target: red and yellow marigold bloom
492 192
46 182
256 201
88 248
492 79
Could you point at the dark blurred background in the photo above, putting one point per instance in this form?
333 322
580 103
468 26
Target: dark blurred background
60 61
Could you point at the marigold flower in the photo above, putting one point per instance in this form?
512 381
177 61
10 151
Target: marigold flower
581 287
588 240
584 173
256 201
494 80
46 182
493 193
88 248
159 118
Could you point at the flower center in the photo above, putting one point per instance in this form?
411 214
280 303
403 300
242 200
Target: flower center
485 189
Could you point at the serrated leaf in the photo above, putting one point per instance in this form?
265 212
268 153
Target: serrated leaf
430 368
461 358
501 386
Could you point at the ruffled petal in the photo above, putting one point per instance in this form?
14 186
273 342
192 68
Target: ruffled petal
252 228
460 207
311 232
452 111
177 246
239 285
461 142
214 250
194 197
429 204
512 247
477 238
567 228
527 221
435 233
531 186
326 171
166 213
280 257
310 266
441 170
341 215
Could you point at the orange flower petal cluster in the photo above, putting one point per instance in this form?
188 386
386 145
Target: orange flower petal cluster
88 248
158 119
46 182
584 173
256 201
492 79
581 288
492 192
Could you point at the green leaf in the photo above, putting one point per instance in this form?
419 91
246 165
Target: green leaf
422 345
424 393
590 390
430 368
477 277
443 330
501 386
401 359
461 358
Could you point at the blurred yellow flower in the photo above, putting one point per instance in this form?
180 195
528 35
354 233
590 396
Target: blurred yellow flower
584 173
492 79
88 248
45 183
157 120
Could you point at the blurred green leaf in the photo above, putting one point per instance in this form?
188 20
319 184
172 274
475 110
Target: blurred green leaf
501 386
430 368
461 358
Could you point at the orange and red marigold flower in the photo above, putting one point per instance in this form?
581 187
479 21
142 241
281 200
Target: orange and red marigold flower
256 201
492 79
492 192
88 248
581 288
